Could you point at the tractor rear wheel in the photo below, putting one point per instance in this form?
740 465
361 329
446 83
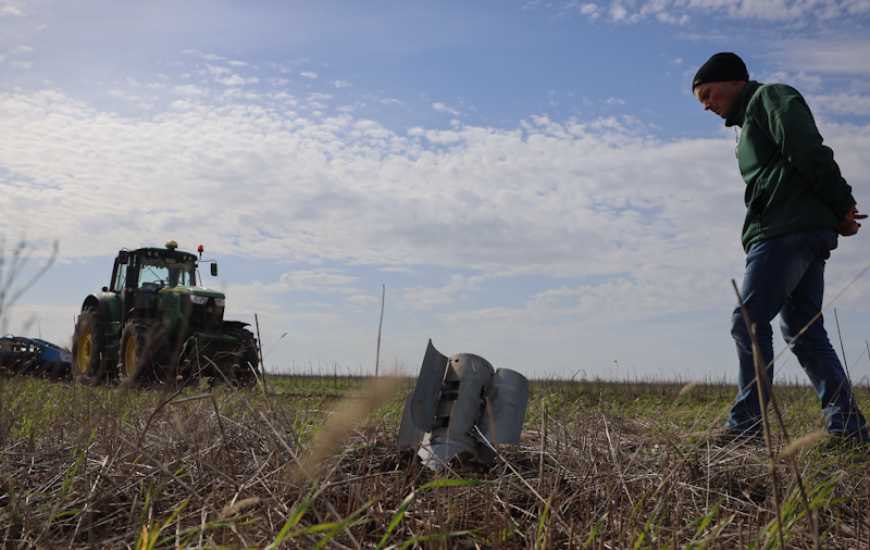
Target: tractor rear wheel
87 349
249 361
137 359
245 359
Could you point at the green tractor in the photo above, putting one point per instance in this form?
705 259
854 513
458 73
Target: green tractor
153 323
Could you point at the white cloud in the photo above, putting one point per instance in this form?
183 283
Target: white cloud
11 8
847 57
218 71
341 84
842 104
443 137
664 17
183 105
137 100
802 80
238 94
590 10
190 90
678 12
442 107
227 77
426 298
236 80
203 55
310 75
618 12
317 281
319 96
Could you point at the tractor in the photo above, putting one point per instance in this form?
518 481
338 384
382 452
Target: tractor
155 324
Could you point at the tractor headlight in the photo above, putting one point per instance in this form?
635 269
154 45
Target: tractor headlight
219 302
199 300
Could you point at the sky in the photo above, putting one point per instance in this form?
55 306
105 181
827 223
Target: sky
532 181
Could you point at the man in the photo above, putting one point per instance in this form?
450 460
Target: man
796 204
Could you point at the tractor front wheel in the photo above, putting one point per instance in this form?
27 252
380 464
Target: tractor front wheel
136 361
88 347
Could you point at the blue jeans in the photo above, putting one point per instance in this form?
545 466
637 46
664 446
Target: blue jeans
785 275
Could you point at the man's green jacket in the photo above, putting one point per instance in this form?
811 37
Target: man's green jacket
792 181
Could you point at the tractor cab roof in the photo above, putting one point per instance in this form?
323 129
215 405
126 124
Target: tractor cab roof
153 252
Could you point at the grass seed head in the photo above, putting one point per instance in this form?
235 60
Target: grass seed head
347 415
802 443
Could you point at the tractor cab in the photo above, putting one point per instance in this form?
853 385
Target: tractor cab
154 268
140 275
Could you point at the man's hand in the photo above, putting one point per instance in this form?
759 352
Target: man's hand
849 226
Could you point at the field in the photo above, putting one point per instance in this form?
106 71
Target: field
311 463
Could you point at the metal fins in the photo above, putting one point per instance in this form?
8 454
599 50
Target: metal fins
424 400
452 397
409 436
507 399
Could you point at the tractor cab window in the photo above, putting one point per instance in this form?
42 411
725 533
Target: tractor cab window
165 272
120 281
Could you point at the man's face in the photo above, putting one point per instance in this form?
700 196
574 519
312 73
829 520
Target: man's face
719 97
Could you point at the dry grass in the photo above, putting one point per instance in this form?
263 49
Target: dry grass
217 468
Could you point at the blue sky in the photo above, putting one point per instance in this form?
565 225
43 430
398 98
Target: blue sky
533 181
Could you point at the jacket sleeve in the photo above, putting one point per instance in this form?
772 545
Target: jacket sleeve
794 131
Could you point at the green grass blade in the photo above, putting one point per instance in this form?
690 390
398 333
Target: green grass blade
415 541
342 525
292 520
148 537
406 502
541 531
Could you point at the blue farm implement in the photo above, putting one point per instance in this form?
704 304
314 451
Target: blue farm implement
20 355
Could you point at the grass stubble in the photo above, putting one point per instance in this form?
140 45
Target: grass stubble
313 463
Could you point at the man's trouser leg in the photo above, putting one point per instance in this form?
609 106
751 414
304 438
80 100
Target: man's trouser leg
816 355
774 268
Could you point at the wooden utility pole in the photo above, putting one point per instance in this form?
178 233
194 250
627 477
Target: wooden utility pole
260 353
380 327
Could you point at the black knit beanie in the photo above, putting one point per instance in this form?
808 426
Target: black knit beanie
721 67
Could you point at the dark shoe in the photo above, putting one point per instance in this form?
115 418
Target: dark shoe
725 437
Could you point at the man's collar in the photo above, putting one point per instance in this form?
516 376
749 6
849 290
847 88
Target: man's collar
738 111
